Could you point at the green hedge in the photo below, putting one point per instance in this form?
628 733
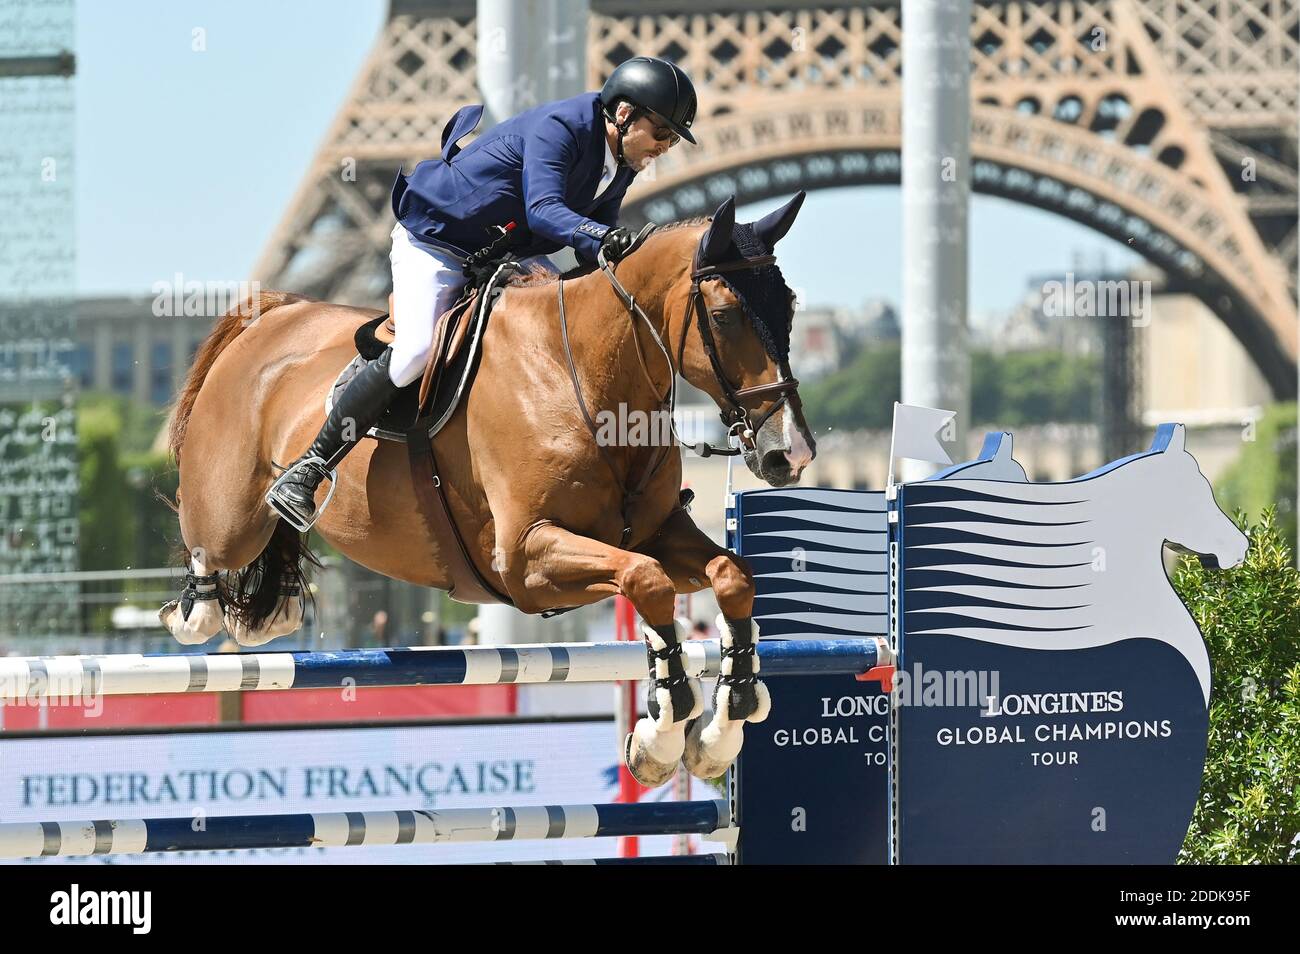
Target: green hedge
1249 806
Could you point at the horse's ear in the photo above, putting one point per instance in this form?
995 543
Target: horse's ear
718 237
772 227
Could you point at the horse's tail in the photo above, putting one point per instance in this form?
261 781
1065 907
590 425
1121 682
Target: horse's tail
251 594
226 329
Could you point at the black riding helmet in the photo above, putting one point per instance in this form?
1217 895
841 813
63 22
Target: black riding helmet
652 84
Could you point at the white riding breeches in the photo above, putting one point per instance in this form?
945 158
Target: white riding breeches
426 281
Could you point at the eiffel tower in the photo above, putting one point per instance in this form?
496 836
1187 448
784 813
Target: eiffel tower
1169 125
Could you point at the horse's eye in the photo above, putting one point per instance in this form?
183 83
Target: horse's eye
721 315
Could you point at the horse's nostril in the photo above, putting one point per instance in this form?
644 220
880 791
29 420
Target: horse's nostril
774 460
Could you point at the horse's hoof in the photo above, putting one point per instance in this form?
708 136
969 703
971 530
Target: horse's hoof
711 746
652 756
205 622
287 619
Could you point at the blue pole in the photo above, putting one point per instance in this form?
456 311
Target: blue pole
355 829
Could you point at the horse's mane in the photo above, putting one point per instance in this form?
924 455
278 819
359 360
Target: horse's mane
684 223
537 275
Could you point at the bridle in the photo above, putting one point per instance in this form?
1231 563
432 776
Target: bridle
736 415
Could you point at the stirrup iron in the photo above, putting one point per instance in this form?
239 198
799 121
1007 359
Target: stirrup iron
282 506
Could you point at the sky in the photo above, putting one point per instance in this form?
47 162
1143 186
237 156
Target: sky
187 159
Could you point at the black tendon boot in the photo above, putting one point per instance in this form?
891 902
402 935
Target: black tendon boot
358 408
655 744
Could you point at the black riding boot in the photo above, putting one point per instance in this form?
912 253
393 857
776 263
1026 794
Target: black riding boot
357 409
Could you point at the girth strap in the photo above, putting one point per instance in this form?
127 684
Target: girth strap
468 584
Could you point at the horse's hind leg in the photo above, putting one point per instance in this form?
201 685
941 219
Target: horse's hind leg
227 527
561 568
689 557
202 611
196 616
286 618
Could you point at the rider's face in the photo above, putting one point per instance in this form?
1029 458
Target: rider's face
646 140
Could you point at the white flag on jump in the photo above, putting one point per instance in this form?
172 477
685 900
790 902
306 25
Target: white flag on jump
916 433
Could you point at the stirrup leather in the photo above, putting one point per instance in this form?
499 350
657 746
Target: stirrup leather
281 504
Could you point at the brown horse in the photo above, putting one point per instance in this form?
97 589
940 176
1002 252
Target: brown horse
537 498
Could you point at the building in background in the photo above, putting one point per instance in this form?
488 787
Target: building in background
121 347
825 339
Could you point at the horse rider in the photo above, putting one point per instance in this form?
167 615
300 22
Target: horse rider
555 175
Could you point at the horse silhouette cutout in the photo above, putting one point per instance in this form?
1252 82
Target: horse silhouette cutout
1067 565
1087 741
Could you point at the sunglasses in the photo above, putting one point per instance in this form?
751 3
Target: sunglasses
663 133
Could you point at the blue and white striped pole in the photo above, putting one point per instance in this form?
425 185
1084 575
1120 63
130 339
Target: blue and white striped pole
57 676
357 829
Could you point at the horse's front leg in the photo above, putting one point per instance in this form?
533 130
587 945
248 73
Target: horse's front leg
689 557
561 568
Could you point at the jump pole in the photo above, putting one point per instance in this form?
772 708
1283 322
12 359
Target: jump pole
358 829
36 677
45 677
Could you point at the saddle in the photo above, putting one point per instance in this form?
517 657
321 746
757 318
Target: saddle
422 408
414 400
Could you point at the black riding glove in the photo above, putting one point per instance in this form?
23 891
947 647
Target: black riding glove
616 243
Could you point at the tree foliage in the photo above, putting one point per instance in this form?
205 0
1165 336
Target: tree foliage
122 521
1021 388
105 510
1249 806
1007 390
859 396
1264 475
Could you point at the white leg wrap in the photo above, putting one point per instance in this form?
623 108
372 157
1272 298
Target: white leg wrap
205 622
205 618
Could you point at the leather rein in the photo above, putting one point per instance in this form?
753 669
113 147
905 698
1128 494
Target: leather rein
735 416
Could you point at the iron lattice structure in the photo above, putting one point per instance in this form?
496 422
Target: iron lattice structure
1169 125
